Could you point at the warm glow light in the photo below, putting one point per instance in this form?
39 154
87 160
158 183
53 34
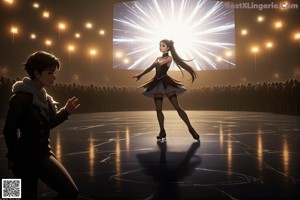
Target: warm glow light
36 5
118 160
89 25
77 35
32 36
127 140
126 61
9 1
71 48
102 32
255 49
93 52
276 76
269 45
119 54
61 26
75 77
221 137
48 42
243 79
278 24
229 153
296 72
260 18
91 155
286 156
228 53
244 32
260 150
297 36
46 14
3 70
219 59
14 30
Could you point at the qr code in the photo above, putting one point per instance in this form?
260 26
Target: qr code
11 188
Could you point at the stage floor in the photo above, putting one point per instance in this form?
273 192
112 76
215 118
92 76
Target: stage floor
242 155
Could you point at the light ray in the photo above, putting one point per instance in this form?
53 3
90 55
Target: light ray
201 30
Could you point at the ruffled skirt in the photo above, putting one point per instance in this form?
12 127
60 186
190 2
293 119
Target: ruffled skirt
162 86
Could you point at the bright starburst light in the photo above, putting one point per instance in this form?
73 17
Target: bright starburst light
202 30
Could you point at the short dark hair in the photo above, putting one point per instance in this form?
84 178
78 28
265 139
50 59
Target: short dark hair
41 61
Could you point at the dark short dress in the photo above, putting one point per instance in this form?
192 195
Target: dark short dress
162 84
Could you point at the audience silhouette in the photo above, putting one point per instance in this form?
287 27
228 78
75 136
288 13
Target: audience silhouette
275 97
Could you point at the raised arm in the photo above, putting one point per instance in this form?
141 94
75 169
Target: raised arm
60 116
147 70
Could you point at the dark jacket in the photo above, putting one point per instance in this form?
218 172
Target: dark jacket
32 139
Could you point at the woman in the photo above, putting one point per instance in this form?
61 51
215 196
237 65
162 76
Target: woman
163 85
33 112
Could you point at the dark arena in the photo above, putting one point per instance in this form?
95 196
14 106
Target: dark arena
150 99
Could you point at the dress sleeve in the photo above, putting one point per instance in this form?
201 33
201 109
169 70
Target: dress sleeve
149 69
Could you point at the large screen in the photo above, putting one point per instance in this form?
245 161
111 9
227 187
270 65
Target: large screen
203 31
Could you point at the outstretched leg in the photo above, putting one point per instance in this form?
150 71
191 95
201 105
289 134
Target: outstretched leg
54 174
173 99
160 116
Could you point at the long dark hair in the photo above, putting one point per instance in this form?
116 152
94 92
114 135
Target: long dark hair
178 60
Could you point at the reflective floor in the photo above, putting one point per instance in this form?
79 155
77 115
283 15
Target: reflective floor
242 155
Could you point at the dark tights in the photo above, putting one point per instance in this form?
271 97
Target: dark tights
160 116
